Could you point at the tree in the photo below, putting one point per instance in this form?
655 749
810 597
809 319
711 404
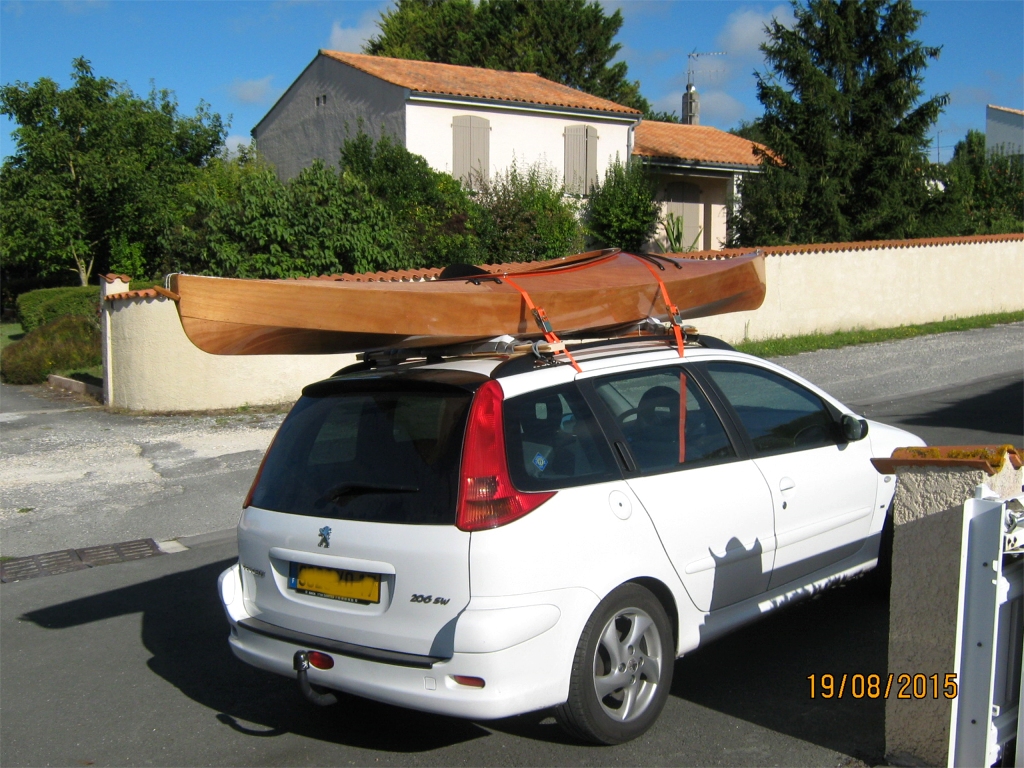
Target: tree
525 215
93 171
979 191
622 212
431 208
568 41
848 130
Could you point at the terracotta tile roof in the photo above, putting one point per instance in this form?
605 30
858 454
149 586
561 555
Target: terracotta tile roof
147 293
1011 110
696 143
111 277
865 245
475 82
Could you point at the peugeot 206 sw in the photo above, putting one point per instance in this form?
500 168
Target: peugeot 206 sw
482 536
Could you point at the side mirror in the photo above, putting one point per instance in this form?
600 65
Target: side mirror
853 429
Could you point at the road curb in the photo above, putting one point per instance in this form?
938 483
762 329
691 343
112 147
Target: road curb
74 385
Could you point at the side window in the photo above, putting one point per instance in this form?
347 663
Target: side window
471 148
554 441
778 414
662 430
580 159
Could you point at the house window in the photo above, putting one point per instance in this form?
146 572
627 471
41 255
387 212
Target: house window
471 148
321 101
580 159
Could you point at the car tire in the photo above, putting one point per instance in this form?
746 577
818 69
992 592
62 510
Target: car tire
622 669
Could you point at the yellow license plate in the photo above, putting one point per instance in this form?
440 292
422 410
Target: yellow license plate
349 586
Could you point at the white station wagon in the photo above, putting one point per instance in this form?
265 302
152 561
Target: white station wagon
487 535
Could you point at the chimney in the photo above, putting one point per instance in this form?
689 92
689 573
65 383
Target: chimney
691 105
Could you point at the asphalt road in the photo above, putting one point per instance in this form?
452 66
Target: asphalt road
128 664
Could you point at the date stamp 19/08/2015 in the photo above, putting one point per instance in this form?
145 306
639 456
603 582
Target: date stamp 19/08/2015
901 686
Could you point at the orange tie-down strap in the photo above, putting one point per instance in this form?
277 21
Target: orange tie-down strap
682 417
542 322
673 310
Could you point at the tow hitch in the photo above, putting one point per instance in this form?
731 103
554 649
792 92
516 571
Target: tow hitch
300 662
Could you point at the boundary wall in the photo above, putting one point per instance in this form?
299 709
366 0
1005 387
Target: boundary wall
151 365
881 284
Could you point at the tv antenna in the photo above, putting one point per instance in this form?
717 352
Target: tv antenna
691 99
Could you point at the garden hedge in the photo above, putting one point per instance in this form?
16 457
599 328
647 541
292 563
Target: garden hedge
36 308
70 341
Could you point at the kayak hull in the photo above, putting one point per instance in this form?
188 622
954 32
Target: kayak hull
590 294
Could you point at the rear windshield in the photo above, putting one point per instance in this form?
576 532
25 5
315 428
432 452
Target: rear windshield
381 456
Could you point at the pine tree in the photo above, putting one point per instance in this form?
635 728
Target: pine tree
848 130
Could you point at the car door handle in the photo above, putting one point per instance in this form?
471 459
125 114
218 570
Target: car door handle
787 484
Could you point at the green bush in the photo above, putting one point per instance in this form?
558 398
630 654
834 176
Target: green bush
622 212
70 341
37 308
525 216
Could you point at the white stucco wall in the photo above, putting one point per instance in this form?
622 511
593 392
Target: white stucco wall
881 288
525 136
154 367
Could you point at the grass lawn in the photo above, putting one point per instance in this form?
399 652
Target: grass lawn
10 333
796 344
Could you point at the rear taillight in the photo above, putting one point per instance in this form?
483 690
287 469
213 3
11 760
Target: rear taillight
487 498
256 480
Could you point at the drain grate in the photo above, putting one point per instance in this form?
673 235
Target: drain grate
65 560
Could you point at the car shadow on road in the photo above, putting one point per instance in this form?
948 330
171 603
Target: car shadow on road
184 628
760 673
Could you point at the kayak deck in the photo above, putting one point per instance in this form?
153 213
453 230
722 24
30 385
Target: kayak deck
593 293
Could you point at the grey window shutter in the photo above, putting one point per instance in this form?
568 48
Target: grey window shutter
684 200
591 158
480 128
471 147
462 144
575 158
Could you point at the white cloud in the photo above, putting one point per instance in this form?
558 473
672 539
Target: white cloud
744 31
720 109
234 142
671 102
252 91
717 108
352 38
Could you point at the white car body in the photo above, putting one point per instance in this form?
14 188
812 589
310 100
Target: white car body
718 546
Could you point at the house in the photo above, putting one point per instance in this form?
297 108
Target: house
469 121
463 120
696 168
1004 130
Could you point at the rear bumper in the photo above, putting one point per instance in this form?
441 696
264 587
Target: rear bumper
531 674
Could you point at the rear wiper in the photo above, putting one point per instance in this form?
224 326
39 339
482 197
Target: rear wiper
340 494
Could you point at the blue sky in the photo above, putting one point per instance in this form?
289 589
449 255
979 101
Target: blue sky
239 56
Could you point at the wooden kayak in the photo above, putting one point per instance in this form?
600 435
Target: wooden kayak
601 292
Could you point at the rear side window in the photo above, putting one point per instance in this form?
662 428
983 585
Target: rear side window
664 431
778 414
553 441
389 457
